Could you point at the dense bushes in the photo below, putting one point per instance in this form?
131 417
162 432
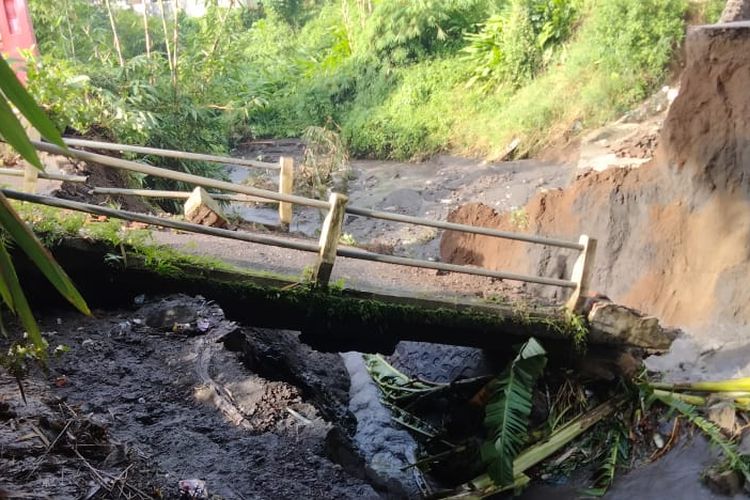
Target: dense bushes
400 78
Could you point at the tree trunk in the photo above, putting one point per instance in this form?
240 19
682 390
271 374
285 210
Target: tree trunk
166 35
114 34
736 10
175 41
145 30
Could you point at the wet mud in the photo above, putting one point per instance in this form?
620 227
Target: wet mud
174 391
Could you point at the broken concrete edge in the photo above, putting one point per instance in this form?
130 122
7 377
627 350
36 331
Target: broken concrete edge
201 208
611 323
334 320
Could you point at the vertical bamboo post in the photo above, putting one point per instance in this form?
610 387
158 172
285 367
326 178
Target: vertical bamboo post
30 176
286 186
30 172
582 270
175 47
115 36
146 33
166 34
329 239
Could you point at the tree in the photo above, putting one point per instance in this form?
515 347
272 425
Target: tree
736 10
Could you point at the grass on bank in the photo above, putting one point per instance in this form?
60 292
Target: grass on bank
52 225
396 78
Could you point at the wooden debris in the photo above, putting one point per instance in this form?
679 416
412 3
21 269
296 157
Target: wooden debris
200 208
724 415
510 149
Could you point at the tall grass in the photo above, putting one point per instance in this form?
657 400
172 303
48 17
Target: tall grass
619 54
403 79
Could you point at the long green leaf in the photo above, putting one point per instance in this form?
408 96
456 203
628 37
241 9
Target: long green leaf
5 294
484 485
21 309
507 415
28 242
709 429
3 331
14 134
617 439
18 95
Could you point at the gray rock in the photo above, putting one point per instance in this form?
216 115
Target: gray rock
611 323
728 483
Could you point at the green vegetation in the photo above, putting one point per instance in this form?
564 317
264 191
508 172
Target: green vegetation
52 225
30 346
545 425
733 458
397 79
507 415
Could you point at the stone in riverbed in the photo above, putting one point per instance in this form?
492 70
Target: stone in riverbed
728 483
611 323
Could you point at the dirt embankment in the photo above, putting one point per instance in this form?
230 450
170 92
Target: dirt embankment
673 234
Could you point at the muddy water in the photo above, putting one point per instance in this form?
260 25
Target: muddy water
677 475
386 448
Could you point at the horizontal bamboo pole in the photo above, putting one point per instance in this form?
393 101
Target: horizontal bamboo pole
298 200
177 195
197 180
274 241
464 228
168 153
15 172
355 253
303 246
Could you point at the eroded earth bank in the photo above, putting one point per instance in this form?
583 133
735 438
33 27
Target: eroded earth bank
672 233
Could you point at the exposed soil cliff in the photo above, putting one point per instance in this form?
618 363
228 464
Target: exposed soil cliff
673 234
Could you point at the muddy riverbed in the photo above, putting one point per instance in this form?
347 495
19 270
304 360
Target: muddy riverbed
166 389
430 189
170 390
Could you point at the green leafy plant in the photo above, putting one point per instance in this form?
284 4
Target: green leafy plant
513 46
348 239
507 414
14 231
402 31
392 73
519 218
486 485
615 455
733 459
